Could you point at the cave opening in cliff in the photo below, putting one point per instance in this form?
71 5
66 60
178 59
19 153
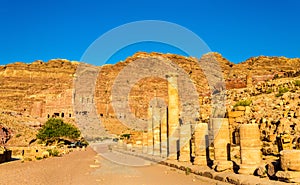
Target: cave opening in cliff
62 114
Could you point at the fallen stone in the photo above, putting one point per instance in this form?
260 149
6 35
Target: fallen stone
288 176
235 114
234 179
261 171
272 168
240 108
209 174
224 166
290 160
221 176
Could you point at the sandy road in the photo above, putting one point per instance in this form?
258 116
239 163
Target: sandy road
90 167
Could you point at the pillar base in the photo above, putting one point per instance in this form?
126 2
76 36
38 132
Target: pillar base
164 156
184 158
156 153
145 149
150 151
221 166
247 169
200 161
172 157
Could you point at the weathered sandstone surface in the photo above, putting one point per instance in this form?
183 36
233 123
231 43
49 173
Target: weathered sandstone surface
41 90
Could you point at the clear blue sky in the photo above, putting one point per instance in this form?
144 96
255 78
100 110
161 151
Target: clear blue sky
46 29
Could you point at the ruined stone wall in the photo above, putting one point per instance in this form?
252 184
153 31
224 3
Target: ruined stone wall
37 89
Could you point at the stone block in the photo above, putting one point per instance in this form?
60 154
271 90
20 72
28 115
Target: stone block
210 174
239 119
222 176
234 179
290 160
221 166
235 114
247 169
240 108
272 168
288 176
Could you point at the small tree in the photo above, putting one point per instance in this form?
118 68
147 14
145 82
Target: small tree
55 129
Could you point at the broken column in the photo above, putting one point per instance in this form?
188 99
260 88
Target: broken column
164 132
290 160
173 116
184 138
250 150
120 144
150 132
156 130
221 142
290 163
201 143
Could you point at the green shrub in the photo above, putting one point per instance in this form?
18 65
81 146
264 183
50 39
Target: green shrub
55 129
283 90
53 152
38 158
269 91
187 171
297 82
18 135
243 103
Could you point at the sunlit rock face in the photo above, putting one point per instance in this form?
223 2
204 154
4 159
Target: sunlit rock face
44 89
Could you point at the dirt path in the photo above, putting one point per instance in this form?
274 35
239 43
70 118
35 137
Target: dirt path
89 168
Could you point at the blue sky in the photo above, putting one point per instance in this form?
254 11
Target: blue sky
36 29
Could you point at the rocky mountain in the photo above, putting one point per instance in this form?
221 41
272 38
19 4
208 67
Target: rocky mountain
41 90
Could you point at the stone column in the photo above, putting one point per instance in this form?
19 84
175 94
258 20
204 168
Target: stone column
250 143
156 130
138 145
120 144
164 132
150 133
221 144
201 143
173 116
145 142
184 138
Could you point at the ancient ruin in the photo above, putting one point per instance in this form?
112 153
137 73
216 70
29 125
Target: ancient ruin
259 133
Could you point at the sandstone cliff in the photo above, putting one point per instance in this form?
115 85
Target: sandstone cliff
45 89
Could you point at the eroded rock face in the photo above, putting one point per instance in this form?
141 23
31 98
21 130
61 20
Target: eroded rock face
45 89
37 89
256 71
5 135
